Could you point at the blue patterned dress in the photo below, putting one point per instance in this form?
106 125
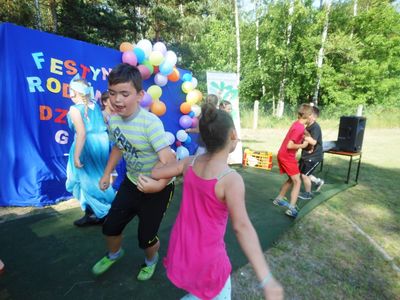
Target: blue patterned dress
83 183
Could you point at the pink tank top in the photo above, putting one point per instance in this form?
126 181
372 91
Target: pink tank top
196 260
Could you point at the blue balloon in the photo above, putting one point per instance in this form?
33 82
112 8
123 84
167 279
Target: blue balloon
187 77
182 152
140 55
188 140
191 114
166 69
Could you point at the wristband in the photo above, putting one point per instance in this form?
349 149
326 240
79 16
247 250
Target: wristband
264 282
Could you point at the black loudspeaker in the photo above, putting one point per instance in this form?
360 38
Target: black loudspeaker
351 133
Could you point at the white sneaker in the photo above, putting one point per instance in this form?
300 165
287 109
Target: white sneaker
319 185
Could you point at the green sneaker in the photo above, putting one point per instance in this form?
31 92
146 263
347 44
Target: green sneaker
146 272
105 263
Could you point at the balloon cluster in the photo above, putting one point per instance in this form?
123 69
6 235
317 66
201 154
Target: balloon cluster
156 60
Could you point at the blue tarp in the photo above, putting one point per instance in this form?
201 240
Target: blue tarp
36 68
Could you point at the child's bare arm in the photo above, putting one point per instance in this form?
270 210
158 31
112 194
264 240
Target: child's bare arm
113 159
152 185
247 236
292 145
80 135
170 170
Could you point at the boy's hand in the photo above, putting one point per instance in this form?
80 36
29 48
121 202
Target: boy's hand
304 144
146 184
104 182
309 139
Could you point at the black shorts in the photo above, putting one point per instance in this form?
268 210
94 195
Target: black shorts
150 209
307 166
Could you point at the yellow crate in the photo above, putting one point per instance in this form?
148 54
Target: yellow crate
257 159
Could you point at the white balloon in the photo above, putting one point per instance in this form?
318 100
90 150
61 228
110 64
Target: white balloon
146 46
196 109
194 82
170 137
171 58
181 135
159 46
160 79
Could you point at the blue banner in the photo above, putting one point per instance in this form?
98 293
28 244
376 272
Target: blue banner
36 68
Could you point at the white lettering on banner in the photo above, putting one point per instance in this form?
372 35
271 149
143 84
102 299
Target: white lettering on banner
62 137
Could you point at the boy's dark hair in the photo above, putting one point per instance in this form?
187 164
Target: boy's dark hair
104 97
126 73
224 103
315 110
215 126
212 99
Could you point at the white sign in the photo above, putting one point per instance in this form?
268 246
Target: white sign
225 86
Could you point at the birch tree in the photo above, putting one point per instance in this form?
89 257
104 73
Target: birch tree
284 79
320 57
237 39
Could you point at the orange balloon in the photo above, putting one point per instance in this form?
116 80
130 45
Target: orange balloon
125 46
185 108
174 76
158 108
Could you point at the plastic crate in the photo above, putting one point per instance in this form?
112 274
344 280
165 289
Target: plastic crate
257 159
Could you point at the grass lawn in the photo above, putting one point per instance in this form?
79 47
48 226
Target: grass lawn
325 256
328 254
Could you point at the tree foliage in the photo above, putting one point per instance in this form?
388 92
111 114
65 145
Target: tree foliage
361 62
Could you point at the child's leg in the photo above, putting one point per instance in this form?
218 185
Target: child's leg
306 182
284 189
224 294
295 189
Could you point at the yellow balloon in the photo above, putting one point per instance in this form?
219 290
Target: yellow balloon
187 86
156 58
154 91
194 96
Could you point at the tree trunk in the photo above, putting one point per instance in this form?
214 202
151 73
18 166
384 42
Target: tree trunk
53 11
257 6
281 98
320 58
38 15
355 3
237 40
181 12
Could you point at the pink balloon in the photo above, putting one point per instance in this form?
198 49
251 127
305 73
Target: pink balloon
129 57
195 122
144 71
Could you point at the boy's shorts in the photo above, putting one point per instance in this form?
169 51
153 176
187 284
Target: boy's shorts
288 167
130 202
307 166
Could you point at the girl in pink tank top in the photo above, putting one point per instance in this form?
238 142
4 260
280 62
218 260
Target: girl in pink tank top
196 259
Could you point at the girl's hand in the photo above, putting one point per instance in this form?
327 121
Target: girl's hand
146 184
273 290
77 163
104 182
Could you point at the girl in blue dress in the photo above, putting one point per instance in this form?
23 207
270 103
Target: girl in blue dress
88 155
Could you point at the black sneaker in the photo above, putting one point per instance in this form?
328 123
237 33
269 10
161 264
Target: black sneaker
89 220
